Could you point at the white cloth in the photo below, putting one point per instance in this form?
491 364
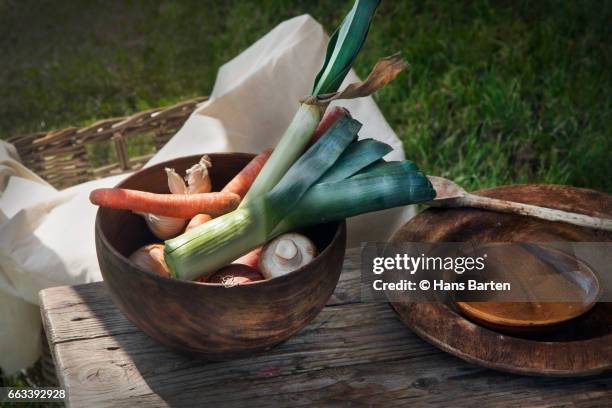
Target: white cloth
47 237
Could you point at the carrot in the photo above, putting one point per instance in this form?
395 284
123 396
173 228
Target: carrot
241 183
329 118
169 205
197 221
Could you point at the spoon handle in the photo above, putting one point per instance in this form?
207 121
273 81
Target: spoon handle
472 200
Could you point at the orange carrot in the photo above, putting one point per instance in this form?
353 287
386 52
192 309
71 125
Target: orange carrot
169 205
241 183
197 221
329 118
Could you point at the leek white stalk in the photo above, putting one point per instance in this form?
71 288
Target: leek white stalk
290 147
215 244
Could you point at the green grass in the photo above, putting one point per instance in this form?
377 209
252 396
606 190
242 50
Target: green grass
498 92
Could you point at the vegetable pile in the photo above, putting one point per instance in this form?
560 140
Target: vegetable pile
319 172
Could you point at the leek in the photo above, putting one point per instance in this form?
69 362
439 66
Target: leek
312 165
337 177
216 243
212 245
302 197
344 45
289 148
358 156
378 169
335 201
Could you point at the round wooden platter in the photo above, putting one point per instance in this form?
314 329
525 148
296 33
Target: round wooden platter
581 347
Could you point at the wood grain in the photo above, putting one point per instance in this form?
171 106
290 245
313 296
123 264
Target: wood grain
581 347
353 354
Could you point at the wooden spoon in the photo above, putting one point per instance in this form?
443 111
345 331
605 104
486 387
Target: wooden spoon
450 194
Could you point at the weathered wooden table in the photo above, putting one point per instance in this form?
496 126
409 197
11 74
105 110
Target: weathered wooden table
353 354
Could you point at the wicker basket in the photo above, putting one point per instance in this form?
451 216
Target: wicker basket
61 158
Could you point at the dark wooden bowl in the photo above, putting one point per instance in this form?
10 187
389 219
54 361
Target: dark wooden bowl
208 320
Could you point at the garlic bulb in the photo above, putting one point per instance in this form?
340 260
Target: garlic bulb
151 258
285 254
176 184
164 227
198 179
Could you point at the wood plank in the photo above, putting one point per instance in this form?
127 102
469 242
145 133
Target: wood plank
356 354
144 375
131 363
347 354
349 284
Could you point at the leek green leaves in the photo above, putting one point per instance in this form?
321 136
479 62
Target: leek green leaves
344 45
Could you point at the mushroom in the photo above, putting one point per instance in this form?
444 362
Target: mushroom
285 254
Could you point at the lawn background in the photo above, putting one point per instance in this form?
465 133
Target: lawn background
498 92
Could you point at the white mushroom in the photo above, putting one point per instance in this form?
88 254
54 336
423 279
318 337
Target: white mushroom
285 254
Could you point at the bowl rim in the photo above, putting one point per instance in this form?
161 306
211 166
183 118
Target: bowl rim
340 226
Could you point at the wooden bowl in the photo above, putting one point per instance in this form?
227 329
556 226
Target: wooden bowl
206 320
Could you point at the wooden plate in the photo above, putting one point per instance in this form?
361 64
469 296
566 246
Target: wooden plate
582 346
